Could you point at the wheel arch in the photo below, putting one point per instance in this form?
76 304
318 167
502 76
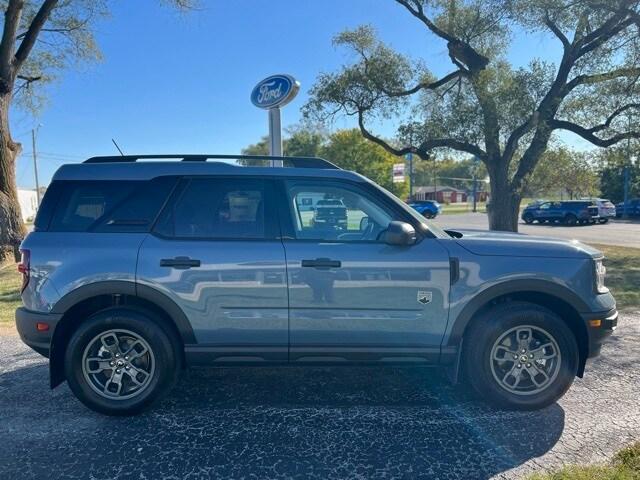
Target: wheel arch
91 298
555 297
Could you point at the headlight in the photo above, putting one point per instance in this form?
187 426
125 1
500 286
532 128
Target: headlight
600 274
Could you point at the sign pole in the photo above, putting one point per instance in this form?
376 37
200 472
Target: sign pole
270 94
275 136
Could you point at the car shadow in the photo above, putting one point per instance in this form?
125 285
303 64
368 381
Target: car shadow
337 422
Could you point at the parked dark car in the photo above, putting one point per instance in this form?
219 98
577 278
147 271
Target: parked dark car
569 212
427 208
633 208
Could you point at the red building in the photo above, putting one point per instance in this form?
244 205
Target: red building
441 194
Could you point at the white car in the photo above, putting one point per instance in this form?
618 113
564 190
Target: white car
606 209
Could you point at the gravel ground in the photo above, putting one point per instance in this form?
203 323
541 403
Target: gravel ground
315 423
617 232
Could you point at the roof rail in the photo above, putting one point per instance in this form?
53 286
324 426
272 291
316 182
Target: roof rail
296 162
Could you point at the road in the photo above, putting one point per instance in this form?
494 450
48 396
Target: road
616 232
315 423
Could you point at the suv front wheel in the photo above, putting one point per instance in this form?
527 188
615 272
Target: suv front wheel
520 356
119 361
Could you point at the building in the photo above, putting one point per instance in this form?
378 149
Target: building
28 200
441 194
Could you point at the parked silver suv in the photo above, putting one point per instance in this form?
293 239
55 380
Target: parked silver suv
139 266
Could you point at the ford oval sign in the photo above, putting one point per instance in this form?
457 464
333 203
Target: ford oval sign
275 91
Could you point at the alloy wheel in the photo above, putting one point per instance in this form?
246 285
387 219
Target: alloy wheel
118 364
525 360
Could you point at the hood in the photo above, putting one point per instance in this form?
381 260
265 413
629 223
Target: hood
480 242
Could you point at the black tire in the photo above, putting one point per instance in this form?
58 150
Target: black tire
570 219
486 330
528 218
142 324
603 220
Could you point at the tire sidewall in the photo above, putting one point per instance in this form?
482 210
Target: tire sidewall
478 358
139 323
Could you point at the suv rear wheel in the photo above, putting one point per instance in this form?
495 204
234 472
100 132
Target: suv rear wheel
119 361
570 219
528 218
520 356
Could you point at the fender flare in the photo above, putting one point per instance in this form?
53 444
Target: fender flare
113 287
512 286
123 287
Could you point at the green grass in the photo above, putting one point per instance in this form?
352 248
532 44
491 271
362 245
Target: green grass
625 466
457 208
623 274
10 281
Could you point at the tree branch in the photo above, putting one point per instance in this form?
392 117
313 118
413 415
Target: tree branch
517 134
421 86
556 31
589 133
33 31
602 77
79 26
459 51
418 12
424 148
11 22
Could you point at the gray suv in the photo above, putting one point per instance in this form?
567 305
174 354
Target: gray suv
139 266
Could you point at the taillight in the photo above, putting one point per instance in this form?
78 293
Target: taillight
24 267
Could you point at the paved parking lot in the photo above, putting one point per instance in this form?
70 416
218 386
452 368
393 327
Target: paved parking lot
616 232
314 423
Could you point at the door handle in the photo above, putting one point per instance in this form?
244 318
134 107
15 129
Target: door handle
322 263
180 263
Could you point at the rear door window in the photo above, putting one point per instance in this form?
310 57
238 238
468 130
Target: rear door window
220 208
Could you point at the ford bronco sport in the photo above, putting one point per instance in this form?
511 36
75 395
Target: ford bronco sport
139 266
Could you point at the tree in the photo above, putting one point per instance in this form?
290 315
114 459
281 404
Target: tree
301 143
347 149
484 106
456 173
563 170
350 150
39 38
612 164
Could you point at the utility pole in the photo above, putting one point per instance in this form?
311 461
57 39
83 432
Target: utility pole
625 213
435 179
409 158
476 161
35 163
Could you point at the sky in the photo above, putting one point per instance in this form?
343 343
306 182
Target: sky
180 83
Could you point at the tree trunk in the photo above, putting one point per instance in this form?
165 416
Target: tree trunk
11 226
504 207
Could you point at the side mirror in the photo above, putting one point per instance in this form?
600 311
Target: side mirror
364 223
399 233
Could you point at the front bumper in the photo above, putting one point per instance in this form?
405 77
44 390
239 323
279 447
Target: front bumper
600 325
27 325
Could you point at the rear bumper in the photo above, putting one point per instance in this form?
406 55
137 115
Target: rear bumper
598 334
26 324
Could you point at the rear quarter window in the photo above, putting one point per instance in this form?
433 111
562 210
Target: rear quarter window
107 206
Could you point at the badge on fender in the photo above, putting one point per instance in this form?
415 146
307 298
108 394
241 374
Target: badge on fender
424 297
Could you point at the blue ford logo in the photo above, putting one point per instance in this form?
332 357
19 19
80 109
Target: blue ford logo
275 91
